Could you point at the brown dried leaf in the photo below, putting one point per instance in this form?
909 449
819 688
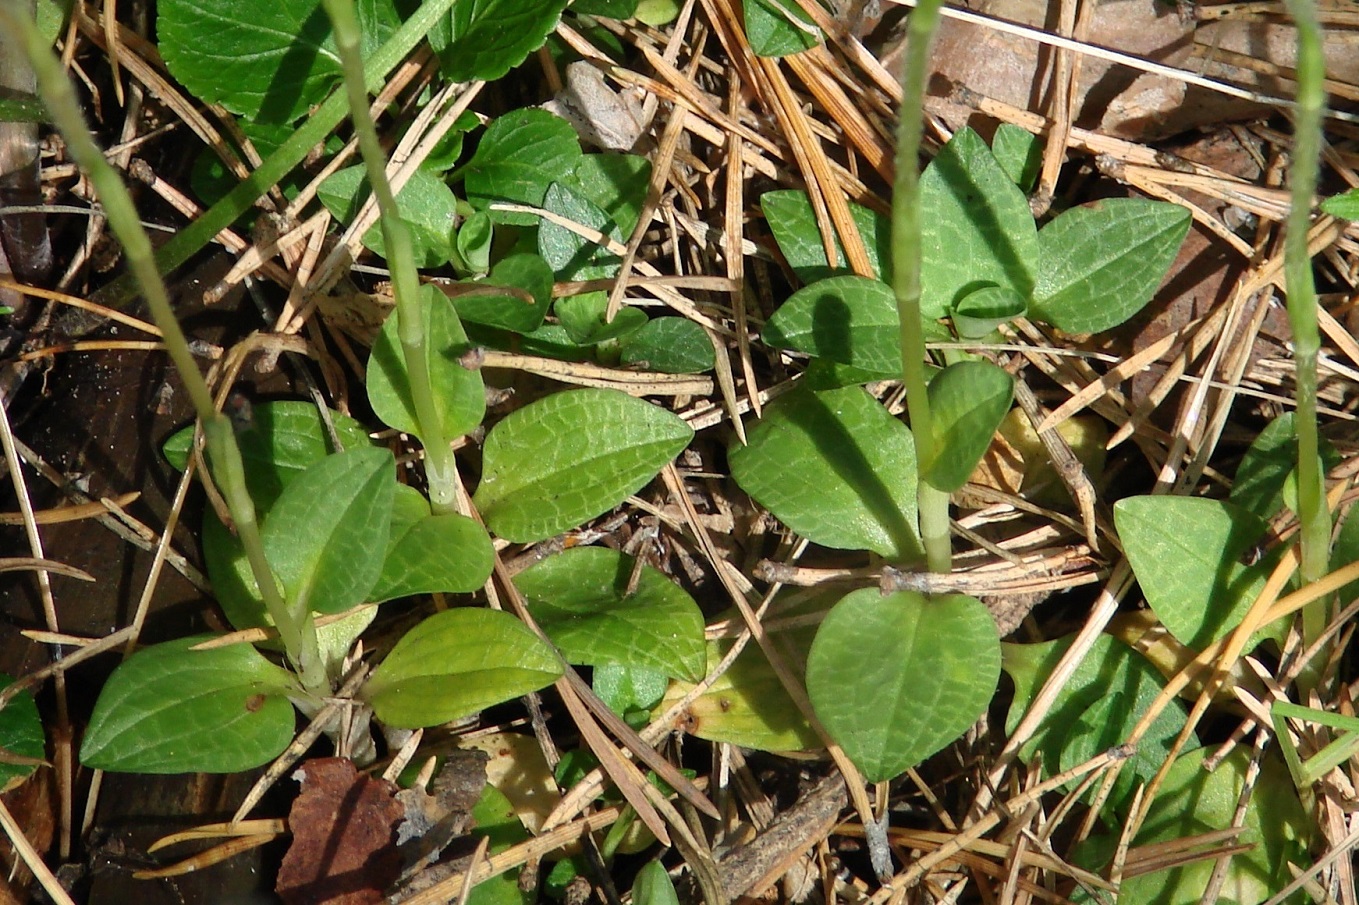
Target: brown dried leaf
344 837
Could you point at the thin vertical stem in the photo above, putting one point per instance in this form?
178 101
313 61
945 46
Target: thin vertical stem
906 258
439 464
1302 303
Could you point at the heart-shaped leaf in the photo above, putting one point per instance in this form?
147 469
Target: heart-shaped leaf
168 709
580 597
969 399
1186 553
849 319
325 536
427 553
571 456
976 227
837 468
896 678
457 663
459 394
1102 263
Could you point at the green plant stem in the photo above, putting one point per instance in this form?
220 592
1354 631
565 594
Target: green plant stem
223 452
439 464
201 230
1314 519
906 258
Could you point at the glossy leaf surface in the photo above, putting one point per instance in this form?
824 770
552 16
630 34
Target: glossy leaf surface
896 678
459 394
835 467
168 709
580 598
457 663
571 456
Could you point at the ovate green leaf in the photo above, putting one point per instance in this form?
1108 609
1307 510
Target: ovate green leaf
565 459
896 678
425 203
835 467
431 553
653 886
459 395
969 399
793 224
580 598
485 39
1019 154
168 709
325 536
1102 263
674 345
20 735
979 313
1345 206
848 319
520 155
776 29
266 61
976 228
527 273
571 255
1187 555
617 183
457 663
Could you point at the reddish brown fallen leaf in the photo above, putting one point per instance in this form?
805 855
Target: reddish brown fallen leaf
344 837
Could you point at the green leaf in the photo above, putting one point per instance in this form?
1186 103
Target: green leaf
849 319
979 313
969 399
278 442
673 345
790 217
20 734
607 9
976 228
1102 263
324 535
627 689
1344 551
431 553
1019 154
1266 479
653 886
583 317
267 61
459 394
529 273
168 709
484 39
1193 801
835 467
896 678
1345 206
776 29
570 255
1186 552
519 156
457 663
427 206
617 183
1110 690
580 598
571 456
473 243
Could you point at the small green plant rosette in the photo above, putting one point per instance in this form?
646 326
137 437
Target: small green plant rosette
837 468
581 599
457 663
169 709
564 459
895 678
